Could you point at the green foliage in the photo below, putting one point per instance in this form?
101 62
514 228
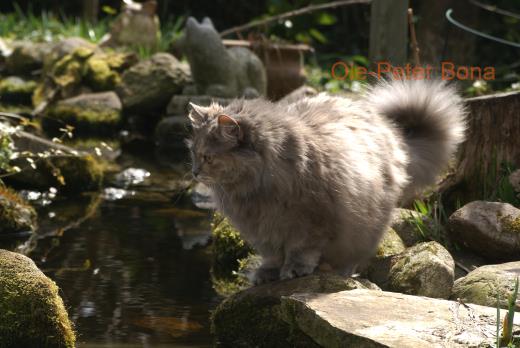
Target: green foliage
507 339
324 79
6 151
434 209
306 29
48 27
496 184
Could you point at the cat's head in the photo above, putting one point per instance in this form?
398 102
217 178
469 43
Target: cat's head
220 148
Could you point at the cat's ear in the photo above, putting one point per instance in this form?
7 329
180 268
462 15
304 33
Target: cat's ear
229 127
207 21
198 115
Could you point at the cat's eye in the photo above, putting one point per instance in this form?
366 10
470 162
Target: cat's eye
208 159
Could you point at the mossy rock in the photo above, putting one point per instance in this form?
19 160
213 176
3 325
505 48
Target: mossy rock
253 318
32 313
390 244
426 269
150 84
228 247
16 90
486 284
411 225
89 114
80 173
16 215
68 173
26 57
85 69
490 229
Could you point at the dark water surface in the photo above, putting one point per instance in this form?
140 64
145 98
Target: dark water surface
133 272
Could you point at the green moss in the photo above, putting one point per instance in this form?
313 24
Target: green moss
391 244
17 90
99 74
228 247
511 225
16 215
75 174
85 120
32 313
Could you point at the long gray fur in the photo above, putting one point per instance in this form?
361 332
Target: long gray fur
313 183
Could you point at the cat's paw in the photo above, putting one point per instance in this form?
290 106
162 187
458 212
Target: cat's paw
295 270
265 275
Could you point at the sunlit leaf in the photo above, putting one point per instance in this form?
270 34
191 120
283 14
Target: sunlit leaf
325 18
318 36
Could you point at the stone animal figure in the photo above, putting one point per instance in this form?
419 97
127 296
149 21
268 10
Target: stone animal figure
136 26
312 184
217 71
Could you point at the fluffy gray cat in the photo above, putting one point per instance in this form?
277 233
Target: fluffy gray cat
312 184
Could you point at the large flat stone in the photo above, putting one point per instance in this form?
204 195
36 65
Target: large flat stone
367 318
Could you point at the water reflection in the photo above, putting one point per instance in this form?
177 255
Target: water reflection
133 271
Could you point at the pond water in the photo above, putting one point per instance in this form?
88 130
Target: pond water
134 271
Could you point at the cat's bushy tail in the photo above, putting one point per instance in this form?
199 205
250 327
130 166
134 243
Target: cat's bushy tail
433 119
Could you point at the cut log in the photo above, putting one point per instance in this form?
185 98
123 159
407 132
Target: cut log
491 150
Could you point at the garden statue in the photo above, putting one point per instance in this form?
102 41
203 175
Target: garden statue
217 71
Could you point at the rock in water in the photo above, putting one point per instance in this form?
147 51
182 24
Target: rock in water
68 170
367 318
251 318
150 84
491 229
16 215
483 285
32 313
89 114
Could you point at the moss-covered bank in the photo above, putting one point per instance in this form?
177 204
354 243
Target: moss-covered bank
16 215
32 314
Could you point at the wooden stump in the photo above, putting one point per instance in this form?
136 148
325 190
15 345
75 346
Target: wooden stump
491 150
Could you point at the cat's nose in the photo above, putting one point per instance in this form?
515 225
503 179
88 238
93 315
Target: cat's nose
195 172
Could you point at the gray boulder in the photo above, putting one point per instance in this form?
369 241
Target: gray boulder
171 133
150 84
26 57
426 269
89 113
367 318
490 229
64 47
252 318
485 284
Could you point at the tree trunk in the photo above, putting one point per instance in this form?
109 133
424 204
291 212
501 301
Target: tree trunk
491 150
440 40
389 31
90 10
